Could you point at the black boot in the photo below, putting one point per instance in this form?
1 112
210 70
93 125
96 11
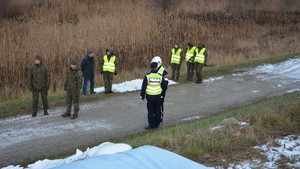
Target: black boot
34 114
66 114
74 116
46 112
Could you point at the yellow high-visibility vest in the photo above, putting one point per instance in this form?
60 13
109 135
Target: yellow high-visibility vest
176 56
109 65
200 58
153 86
161 70
189 54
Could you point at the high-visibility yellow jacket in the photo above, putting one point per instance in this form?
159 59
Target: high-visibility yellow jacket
176 56
154 84
189 54
109 65
200 58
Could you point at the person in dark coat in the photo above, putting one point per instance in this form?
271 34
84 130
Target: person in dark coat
38 83
164 73
154 88
87 67
72 86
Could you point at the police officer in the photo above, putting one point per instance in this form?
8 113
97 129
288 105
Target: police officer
164 73
154 87
200 61
189 58
108 68
72 86
39 82
176 56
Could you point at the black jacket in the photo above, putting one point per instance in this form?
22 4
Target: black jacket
164 85
87 67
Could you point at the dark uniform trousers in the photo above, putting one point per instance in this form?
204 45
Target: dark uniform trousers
108 78
190 70
35 99
175 71
73 97
198 69
154 110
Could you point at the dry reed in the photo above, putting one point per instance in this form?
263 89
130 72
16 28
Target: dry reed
137 30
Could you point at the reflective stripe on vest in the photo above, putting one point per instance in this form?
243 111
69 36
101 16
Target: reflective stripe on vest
109 65
161 70
176 56
189 54
200 56
153 86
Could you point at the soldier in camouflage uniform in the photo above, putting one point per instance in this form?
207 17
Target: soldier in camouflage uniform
73 84
108 68
39 83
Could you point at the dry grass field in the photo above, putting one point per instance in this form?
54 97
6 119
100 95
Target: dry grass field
233 31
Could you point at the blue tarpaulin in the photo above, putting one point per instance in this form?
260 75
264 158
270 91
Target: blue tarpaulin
144 157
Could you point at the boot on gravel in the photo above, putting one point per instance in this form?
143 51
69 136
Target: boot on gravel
74 116
46 112
66 114
34 114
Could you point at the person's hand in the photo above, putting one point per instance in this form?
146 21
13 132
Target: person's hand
142 98
204 64
115 73
162 98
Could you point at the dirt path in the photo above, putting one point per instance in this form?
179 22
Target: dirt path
26 137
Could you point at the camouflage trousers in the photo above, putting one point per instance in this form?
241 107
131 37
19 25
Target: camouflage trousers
72 98
108 78
198 69
175 71
190 70
35 99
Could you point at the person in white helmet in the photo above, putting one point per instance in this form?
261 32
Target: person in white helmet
164 73
161 70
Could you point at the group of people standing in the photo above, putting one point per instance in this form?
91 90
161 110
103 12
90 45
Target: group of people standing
154 84
39 80
195 57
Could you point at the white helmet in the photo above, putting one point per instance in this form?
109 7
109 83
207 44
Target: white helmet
157 59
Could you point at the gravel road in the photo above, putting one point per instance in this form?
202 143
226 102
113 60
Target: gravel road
25 137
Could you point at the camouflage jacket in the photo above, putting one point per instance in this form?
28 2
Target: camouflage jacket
39 78
73 82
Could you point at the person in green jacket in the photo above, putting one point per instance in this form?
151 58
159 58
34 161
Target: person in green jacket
38 83
72 86
200 61
176 59
189 58
108 68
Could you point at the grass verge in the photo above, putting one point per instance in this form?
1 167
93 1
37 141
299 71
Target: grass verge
23 105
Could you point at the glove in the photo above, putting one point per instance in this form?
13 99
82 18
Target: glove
162 98
204 64
142 98
115 73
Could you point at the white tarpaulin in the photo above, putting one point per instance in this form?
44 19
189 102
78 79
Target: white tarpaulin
145 157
